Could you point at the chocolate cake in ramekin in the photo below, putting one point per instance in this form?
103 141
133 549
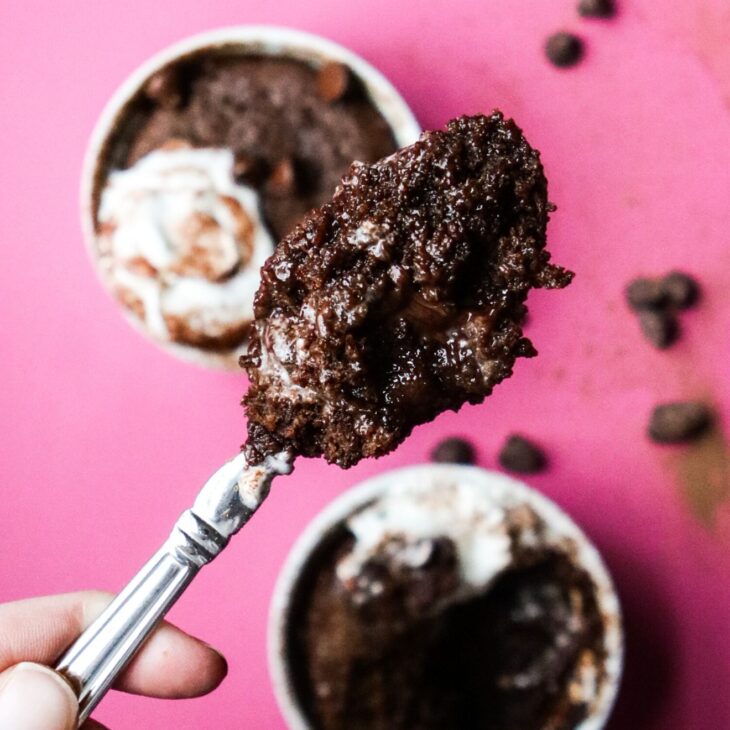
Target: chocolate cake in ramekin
440 597
211 152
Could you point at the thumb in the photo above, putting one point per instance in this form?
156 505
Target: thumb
34 697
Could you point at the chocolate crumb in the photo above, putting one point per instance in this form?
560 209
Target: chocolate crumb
283 178
454 451
659 327
643 293
597 8
163 87
564 49
673 423
680 289
334 81
522 456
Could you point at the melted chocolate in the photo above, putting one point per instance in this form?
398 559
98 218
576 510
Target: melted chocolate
402 297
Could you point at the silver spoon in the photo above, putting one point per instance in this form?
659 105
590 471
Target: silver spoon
225 504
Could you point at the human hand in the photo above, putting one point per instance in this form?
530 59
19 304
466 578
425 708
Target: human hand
35 632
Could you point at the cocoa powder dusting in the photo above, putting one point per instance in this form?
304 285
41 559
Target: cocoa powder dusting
703 471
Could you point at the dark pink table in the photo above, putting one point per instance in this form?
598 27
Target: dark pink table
105 438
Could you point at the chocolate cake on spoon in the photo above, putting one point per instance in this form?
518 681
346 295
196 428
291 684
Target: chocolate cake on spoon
400 298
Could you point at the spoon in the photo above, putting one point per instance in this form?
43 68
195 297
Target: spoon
224 505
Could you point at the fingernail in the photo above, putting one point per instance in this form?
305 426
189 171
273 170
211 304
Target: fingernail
34 697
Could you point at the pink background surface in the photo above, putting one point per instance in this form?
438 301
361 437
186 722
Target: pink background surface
105 438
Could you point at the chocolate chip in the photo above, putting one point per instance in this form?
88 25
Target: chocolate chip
334 81
522 455
680 289
597 8
564 49
282 180
673 423
659 327
454 451
645 293
443 553
248 170
163 88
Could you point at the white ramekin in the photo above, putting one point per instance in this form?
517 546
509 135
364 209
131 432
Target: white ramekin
248 39
586 556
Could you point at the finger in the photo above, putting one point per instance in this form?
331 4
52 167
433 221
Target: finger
34 697
39 629
171 663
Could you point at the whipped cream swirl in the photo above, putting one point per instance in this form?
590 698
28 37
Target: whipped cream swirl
412 513
182 243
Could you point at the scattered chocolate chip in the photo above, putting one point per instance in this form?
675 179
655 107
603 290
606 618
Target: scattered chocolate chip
673 423
454 451
657 302
597 8
283 178
680 289
163 88
334 81
248 170
521 455
659 327
564 49
644 293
